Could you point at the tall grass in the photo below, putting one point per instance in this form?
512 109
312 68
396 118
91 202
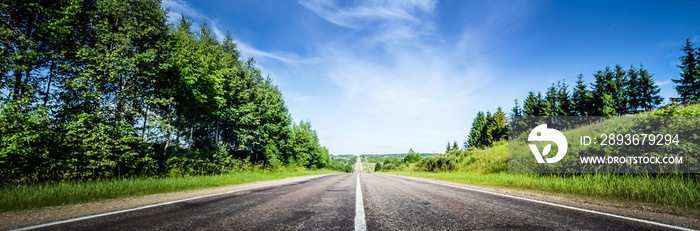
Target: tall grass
48 194
489 167
677 190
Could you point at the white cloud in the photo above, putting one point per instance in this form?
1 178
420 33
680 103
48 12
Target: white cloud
178 8
388 21
414 92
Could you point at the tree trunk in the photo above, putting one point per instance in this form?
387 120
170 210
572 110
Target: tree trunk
145 123
48 85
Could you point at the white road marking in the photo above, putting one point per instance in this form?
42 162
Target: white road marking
147 206
360 223
558 205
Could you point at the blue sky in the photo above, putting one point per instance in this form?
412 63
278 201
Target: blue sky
385 76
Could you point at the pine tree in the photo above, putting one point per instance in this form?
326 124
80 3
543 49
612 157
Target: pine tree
532 105
485 141
564 105
633 89
497 128
551 101
581 98
608 91
619 88
474 139
688 86
516 111
648 90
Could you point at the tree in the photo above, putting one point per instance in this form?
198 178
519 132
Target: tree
455 146
516 111
478 125
485 141
619 87
609 91
378 167
498 127
582 98
97 89
412 157
564 105
551 102
688 86
649 91
532 105
642 91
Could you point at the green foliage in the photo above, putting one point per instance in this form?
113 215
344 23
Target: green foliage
497 129
688 87
582 99
411 157
615 92
493 159
378 167
480 122
437 163
674 109
24 150
516 110
126 94
486 130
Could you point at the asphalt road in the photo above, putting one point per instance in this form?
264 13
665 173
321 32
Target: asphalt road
329 203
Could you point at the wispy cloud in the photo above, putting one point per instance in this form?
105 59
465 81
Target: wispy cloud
387 21
178 8
414 92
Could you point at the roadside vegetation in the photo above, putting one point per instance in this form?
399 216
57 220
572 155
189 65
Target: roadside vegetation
483 158
94 106
63 193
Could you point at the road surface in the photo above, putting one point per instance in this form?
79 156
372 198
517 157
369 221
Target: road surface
333 202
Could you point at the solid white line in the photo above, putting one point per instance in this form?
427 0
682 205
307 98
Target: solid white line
360 224
558 205
145 207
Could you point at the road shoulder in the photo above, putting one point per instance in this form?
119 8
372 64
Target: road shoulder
23 218
659 213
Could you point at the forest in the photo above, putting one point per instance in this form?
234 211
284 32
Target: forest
101 89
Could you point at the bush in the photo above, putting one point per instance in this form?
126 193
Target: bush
378 167
438 163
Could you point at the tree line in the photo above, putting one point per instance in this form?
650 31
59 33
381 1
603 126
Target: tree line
96 89
615 91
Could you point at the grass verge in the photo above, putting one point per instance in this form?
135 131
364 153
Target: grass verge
41 195
675 190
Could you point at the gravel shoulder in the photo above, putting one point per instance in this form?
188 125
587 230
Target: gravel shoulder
23 218
673 215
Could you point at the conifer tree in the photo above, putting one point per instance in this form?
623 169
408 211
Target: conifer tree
475 132
581 98
688 85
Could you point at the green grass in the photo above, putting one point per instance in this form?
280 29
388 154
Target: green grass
489 167
40 195
676 190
